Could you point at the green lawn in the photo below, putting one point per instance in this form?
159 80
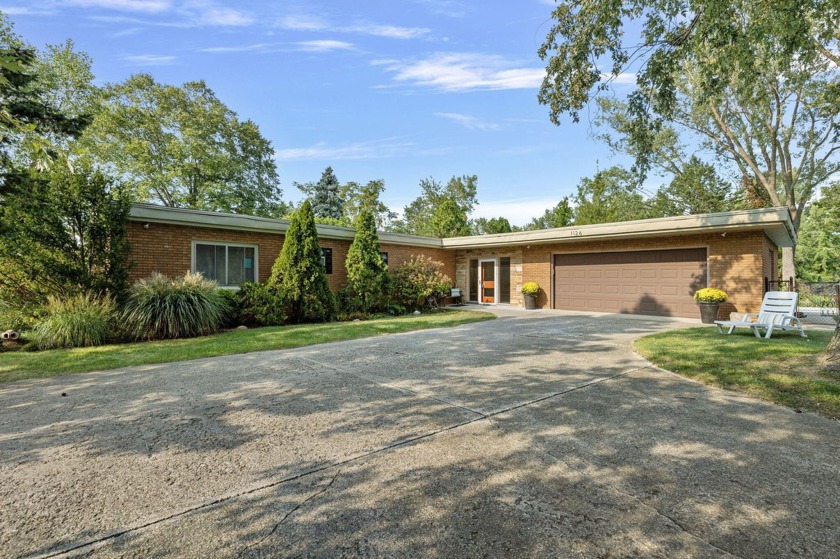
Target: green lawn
21 365
784 369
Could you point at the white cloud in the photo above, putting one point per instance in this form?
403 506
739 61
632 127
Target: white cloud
469 122
464 72
218 16
388 31
360 150
127 32
151 59
303 22
256 47
150 6
324 46
24 11
189 13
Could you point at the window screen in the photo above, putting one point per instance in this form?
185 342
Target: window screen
504 280
227 265
473 280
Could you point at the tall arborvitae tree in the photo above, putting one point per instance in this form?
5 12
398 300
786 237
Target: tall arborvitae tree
299 273
367 275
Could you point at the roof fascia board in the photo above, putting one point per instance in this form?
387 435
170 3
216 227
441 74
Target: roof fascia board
775 222
197 218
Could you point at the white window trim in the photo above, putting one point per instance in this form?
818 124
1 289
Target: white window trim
227 244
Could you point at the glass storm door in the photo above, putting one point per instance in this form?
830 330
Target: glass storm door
487 280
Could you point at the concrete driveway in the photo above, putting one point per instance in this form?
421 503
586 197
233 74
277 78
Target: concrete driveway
539 434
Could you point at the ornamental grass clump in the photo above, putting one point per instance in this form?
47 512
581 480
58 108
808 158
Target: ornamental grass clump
159 307
78 321
710 295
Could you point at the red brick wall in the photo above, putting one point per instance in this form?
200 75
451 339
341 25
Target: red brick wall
397 254
736 263
168 249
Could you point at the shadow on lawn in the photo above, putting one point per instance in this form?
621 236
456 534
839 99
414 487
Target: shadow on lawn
646 464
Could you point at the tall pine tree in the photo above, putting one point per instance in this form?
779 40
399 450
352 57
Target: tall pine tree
299 273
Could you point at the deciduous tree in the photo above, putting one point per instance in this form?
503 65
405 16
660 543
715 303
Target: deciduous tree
358 198
608 197
492 226
561 215
424 216
818 250
182 147
756 82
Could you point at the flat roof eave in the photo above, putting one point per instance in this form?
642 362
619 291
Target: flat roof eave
151 213
775 222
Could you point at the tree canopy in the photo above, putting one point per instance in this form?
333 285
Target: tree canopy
818 254
424 215
756 83
560 215
325 195
183 147
607 197
359 198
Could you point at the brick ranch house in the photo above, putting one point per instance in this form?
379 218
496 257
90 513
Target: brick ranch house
650 266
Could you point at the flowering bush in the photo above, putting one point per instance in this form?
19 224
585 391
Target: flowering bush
415 280
710 295
530 288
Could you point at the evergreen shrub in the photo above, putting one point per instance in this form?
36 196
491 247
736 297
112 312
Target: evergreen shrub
299 275
260 304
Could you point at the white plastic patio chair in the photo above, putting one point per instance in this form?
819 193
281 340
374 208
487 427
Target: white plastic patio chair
777 313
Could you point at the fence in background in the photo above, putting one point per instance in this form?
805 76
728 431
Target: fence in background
819 301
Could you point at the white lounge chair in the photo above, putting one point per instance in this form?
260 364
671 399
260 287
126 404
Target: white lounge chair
777 313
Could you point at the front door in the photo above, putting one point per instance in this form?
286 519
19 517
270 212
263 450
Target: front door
487 280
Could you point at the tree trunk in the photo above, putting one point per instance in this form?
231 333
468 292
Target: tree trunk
788 263
831 359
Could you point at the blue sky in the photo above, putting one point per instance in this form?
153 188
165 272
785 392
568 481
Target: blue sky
398 91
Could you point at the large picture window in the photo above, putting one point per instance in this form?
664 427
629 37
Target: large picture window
228 264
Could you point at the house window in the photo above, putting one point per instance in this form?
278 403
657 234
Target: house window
384 256
228 264
326 259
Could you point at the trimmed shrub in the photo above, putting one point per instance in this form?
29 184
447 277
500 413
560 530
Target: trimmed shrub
417 279
158 307
260 305
395 309
78 321
232 302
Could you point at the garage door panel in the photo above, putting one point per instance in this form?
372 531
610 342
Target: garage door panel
643 282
